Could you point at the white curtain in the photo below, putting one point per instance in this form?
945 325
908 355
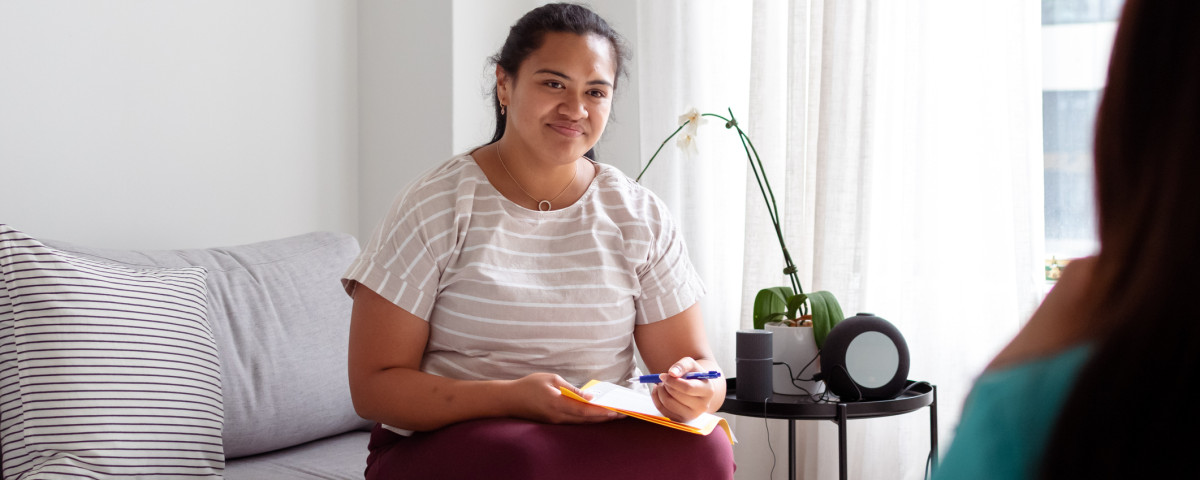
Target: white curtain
695 55
903 143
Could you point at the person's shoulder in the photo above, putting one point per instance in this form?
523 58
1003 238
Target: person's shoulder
1008 415
457 169
1058 323
436 190
441 181
617 187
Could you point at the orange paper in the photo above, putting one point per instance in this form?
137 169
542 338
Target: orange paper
639 405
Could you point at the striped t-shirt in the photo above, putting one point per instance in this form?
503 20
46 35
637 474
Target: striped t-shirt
509 291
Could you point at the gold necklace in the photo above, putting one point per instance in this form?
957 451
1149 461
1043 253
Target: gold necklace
543 205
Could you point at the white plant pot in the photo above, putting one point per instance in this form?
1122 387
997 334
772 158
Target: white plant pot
796 347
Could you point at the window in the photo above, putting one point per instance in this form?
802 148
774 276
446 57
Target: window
1077 38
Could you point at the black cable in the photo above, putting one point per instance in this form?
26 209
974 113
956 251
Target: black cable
910 387
767 427
822 397
854 384
805 367
794 379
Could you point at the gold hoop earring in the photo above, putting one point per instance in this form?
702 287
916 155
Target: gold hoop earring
503 109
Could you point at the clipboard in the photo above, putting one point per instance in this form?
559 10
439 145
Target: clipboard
639 405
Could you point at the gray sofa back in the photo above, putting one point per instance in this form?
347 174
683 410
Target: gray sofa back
281 321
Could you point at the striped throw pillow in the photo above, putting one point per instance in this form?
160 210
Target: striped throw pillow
105 371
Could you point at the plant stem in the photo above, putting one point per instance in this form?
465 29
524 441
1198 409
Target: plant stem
790 269
764 187
660 147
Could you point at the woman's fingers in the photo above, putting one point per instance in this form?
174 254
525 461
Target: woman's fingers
558 382
678 407
546 403
682 399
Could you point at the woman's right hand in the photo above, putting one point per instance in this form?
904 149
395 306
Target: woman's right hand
537 397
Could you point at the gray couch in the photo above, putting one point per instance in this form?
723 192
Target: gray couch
281 322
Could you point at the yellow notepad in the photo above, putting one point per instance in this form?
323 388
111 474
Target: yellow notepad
639 405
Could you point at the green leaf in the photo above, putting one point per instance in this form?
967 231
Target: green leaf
826 312
770 301
820 317
794 303
774 317
835 310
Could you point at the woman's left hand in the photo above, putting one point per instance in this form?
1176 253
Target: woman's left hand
680 399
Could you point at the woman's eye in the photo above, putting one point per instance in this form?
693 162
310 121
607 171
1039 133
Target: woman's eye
598 93
553 84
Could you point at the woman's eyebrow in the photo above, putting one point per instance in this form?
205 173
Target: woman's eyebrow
567 77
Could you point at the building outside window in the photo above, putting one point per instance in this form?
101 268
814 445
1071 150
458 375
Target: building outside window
1077 38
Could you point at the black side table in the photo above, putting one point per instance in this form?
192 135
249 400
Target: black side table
802 407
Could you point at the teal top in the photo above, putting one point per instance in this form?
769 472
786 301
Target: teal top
1008 417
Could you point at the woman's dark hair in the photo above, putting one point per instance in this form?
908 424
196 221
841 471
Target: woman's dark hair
527 34
1129 414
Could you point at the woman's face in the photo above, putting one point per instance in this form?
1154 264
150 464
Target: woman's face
559 101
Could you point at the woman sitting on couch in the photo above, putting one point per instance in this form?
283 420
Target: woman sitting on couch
522 267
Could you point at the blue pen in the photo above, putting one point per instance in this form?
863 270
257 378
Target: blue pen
654 378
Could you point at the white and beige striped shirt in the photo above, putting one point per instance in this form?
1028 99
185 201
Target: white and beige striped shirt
509 291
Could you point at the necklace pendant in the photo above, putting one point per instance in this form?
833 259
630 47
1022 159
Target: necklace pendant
544 206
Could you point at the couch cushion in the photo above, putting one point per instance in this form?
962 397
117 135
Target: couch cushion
105 371
281 321
340 457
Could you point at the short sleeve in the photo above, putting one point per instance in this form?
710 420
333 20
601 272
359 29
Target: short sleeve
399 262
669 283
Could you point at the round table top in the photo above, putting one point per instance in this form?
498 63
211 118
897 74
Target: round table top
803 407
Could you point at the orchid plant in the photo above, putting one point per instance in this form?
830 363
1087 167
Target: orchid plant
788 305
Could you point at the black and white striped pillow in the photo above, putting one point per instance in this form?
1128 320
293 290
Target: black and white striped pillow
105 371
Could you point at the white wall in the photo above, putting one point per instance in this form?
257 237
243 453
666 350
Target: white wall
480 27
404 99
147 124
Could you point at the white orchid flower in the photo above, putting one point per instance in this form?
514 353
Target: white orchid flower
687 143
693 119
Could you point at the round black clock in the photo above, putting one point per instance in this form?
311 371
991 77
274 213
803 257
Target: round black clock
864 358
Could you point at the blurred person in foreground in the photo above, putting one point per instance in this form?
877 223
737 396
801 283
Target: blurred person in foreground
1094 386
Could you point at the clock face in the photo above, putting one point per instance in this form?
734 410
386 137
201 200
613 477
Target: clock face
872 359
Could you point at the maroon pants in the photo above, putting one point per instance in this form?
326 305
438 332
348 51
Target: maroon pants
500 448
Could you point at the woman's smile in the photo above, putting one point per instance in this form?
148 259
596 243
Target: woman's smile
568 129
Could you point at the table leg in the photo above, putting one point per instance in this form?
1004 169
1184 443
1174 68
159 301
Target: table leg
791 449
933 433
841 421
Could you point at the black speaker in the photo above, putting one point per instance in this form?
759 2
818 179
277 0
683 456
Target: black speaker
865 358
753 365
